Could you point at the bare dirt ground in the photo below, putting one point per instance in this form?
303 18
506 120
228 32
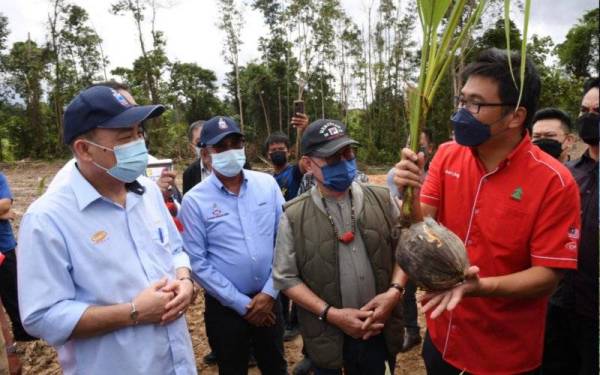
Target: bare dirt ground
28 181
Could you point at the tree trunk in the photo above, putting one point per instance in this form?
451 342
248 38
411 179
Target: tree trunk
239 94
264 108
280 109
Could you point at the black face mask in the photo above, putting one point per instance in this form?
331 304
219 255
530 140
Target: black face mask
551 147
279 158
588 127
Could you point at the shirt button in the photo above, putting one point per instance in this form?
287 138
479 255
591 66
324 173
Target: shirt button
476 211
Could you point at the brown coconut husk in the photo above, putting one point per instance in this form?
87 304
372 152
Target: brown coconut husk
432 256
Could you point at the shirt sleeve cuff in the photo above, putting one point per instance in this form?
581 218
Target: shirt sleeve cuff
239 305
62 318
269 289
430 200
554 262
181 259
283 284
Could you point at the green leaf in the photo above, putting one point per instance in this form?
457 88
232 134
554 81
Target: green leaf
432 12
507 35
523 49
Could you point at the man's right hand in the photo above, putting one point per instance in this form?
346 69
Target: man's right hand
151 302
351 321
409 171
300 121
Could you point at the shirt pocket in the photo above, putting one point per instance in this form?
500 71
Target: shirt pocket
159 234
509 232
263 218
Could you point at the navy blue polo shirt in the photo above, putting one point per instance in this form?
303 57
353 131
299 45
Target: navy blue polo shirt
289 181
7 239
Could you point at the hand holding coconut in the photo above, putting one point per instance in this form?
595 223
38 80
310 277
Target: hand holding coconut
432 256
447 300
409 171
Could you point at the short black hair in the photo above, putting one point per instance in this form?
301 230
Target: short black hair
590 84
193 126
552 113
115 85
277 137
493 63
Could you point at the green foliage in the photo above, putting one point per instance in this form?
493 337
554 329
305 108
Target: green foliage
579 52
359 71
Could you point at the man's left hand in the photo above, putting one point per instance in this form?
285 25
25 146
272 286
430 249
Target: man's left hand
447 300
382 306
166 180
184 292
260 309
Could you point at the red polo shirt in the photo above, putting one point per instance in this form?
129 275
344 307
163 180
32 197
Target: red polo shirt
524 213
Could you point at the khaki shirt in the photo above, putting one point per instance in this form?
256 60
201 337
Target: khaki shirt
356 275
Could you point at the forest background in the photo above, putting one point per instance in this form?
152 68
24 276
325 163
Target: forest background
357 71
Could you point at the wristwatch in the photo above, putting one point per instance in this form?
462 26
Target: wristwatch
134 313
399 287
323 314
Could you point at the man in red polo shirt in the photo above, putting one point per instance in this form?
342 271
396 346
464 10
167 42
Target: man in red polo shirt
517 211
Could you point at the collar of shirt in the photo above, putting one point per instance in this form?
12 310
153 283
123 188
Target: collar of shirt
585 160
86 194
522 148
357 198
213 179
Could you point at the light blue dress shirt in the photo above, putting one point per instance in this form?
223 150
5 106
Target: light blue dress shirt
230 239
78 249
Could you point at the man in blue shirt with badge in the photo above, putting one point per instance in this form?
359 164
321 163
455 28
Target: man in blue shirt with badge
229 223
101 271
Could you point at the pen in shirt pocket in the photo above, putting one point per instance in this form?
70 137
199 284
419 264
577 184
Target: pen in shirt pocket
160 235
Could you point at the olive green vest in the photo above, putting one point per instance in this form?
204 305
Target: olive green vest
318 265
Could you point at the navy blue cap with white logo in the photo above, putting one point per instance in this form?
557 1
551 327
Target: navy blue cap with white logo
324 138
105 108
217 128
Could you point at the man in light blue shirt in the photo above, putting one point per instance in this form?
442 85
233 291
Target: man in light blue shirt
229 223
101 271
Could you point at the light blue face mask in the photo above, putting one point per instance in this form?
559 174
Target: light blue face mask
132 160
229 163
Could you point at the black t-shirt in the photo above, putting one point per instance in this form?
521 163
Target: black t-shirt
191 176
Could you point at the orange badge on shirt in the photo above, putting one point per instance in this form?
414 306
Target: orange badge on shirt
99 237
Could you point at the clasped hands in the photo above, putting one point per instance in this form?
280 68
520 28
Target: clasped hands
164 301
368 321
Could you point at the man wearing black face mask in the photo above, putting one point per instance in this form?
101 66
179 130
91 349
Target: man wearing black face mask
551 131
334 259
517 211
287 175
571 341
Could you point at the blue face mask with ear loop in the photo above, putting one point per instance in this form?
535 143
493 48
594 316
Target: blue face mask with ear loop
132 160
339 176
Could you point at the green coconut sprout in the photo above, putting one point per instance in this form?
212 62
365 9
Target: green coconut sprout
437 51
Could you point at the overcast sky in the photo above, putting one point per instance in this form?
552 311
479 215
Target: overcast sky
192 34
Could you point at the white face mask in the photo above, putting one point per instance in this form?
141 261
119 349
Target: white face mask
229 163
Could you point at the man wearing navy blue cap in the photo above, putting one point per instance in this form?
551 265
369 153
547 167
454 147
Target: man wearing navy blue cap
230 220
101 271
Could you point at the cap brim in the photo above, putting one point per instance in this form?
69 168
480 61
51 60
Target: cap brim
218 138
331 147
133 116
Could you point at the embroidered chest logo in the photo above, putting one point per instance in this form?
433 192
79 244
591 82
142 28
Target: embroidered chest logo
517 194
99 237
216 212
